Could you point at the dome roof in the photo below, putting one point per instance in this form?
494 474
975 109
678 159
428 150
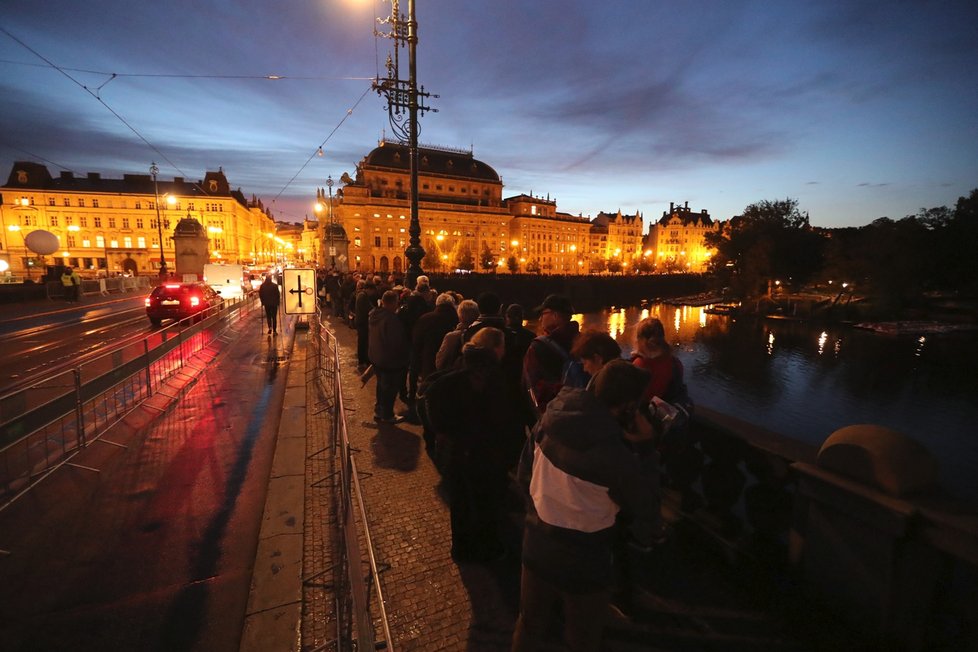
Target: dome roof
455 163
188 226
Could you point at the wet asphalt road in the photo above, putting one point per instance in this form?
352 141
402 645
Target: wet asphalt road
153 551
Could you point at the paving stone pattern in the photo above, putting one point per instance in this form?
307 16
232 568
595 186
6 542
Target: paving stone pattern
432 602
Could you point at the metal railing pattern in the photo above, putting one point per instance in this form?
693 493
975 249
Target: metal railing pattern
353 593
50 418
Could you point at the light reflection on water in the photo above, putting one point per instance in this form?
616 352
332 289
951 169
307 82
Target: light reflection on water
806 381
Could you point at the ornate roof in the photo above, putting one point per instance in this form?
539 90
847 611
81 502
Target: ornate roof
189 226
448 162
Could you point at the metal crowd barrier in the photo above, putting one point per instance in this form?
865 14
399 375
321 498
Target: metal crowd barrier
352 593
48 419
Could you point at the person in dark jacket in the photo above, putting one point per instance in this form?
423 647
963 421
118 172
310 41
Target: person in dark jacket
543 364
388 350
366 301
416 303
475 419
430 330
579 474
270 297
522 336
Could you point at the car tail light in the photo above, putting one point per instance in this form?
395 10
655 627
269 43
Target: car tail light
194 301
172 286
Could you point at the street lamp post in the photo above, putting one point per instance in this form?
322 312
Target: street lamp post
159 222
404 96
332 247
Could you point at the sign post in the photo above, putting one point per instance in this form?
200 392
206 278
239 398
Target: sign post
299 291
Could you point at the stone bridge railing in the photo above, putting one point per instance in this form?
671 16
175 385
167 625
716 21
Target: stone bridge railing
860 525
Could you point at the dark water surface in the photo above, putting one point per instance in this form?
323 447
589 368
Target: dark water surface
807 380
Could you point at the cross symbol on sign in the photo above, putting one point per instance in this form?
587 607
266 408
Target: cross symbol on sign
300 287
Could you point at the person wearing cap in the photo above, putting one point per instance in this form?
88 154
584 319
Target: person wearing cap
584 483
545 359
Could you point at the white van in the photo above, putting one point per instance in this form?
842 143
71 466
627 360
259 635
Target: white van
228 280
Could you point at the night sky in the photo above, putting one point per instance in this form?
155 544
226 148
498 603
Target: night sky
856 109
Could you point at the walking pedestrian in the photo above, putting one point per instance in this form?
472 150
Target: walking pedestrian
270 297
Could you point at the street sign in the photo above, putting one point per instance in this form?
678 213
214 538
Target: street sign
299 290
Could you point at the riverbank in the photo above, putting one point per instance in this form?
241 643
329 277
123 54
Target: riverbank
587 293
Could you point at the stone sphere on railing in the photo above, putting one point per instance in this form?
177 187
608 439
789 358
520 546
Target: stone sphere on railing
879 457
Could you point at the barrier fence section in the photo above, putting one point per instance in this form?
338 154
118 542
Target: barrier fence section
352 591
48 419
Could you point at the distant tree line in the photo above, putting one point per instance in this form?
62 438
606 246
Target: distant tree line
893 261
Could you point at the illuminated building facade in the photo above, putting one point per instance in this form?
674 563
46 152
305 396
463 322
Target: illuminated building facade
616 241
546 241
109 225
461 210
676 240
466 223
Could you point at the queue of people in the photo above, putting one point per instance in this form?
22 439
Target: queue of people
557 416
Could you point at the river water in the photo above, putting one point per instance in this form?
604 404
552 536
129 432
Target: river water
807 380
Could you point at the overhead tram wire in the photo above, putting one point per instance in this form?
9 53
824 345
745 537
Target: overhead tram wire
95 95
163 156
270 77
349 112
33 155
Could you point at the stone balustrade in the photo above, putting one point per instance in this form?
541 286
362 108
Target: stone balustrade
860 525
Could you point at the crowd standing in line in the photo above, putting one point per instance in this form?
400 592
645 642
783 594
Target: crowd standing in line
557 415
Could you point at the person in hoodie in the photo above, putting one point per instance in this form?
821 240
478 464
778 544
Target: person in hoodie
579 474
388 350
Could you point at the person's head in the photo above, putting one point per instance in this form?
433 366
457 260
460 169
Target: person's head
422 283
555 311
620 386
468 312
594 349
444 298
650 337
361 284
390 299
489 303
377 280
491 339
67 270
514 315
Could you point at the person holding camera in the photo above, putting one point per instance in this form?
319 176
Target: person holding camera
582 466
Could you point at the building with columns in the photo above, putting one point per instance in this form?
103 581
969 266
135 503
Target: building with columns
108 226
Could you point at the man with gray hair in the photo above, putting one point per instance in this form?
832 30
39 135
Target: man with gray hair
451 345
